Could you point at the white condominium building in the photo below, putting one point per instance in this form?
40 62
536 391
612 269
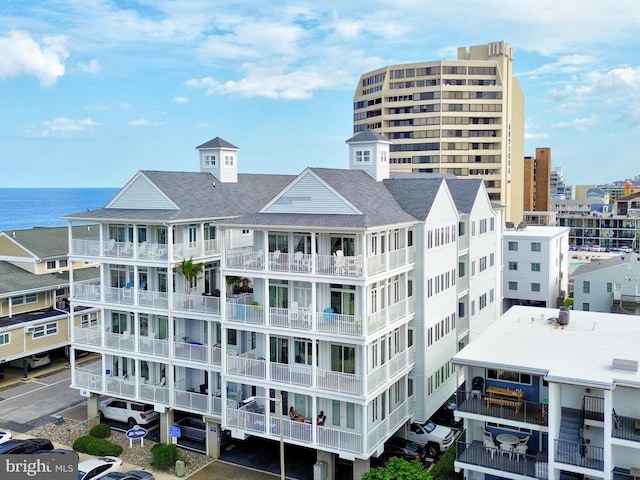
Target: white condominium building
342 291
462 116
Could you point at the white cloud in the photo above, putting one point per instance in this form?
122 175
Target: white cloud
180 99
63 127
92 67
141 122
580 124
125 106
22 55
535 136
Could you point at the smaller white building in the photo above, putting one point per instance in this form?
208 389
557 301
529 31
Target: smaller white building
608 285
535 265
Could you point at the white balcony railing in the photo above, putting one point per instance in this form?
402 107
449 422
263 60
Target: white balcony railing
119 341
338 381
87 336
293 318
247 314
154 394
153 346
190 351
295 374
196 303
246 366
87 290
120 387
339 323
191 400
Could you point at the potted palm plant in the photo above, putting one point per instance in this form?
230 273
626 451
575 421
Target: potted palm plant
190 271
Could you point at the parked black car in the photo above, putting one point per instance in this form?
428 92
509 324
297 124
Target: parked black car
403 448
28 445
446 416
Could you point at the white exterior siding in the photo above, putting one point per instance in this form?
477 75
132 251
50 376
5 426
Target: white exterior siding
601 283
310 195
140 193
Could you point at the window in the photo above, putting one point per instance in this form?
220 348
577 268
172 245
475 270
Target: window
585 307
483 264
586 287
362 156
45 330
609 287
51 265
513 285
513 266
535 287
535 267
89 320
513 246
21 300
492 259
5 339
535 246
508 376
228 160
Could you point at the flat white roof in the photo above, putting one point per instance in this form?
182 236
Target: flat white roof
542 231
525 339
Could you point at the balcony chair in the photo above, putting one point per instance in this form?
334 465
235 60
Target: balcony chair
520 450
275 259
506 449
293 312
142 249
340 262
525 440
488 443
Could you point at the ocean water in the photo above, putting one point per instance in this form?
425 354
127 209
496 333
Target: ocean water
24 208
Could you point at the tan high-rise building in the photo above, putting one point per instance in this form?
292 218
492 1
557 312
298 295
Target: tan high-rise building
464 117
537 181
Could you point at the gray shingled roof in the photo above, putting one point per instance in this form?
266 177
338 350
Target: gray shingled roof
368 136
197 198
603 263
464 192
414 195
50 242
15 280
299 219
217 143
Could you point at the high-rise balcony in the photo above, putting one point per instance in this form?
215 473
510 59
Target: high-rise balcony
111 249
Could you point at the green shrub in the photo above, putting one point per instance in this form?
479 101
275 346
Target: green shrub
80 445
102 430
444 469
164 455
101 446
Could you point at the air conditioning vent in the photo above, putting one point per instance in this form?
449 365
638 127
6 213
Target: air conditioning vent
30 329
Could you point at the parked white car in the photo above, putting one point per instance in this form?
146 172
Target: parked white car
126 411
433 438
95 468
33 361
5 435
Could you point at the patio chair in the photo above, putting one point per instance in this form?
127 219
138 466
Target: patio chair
340 262
525 440
293 312
142 249
507 449
275 258
489 444
520 450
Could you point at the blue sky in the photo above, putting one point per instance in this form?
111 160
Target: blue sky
91 91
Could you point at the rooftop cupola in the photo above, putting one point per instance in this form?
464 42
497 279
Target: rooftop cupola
369 151
220 158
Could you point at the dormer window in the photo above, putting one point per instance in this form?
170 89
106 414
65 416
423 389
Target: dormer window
363 156
228 160
383 156
210 160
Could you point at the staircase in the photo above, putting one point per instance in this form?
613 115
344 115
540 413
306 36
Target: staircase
571 426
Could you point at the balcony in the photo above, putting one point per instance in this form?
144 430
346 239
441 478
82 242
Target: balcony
246 314
382 374
190 351
196 303
528 465
338 323
530 412
143 250
625 428
153 346
247 365
296 374
89 377
299 263
120 387
338 381
192 401
154 394
290 318
87 336
388 260
387 316
582 455
119 341
253 420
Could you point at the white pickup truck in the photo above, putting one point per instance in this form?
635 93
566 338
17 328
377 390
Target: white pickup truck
434 438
